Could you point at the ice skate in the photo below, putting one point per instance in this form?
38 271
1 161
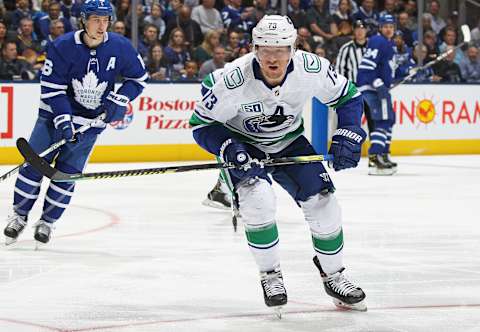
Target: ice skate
43 232
15 226
274 292
388 161
377 166
344 293
217 198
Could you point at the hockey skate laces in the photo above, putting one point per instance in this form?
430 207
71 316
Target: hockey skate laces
273 283
340 284
16 222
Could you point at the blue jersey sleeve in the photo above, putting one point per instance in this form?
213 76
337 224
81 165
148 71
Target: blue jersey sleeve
133 72
377 62
53 81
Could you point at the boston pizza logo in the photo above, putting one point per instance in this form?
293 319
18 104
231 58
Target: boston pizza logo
127 119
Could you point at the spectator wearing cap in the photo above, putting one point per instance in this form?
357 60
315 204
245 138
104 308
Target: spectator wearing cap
470 66
449 39
402 25
207 16
402 57
367 14
452 22
350 54
11 67
296 14
437 21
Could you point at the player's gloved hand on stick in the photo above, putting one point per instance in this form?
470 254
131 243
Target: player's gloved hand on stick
346 147
236 153
382 90
63 123
115 107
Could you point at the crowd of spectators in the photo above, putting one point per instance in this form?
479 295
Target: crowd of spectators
187 39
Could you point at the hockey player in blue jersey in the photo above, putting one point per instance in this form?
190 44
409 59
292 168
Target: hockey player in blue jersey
375 75
77 85
253 109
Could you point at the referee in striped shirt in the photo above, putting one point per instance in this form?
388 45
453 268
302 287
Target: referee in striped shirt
350 55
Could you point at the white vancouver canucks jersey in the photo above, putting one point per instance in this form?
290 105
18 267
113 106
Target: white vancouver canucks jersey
269 118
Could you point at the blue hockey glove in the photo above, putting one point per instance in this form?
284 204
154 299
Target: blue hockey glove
346 147
115 107
64 124
382 90
236 153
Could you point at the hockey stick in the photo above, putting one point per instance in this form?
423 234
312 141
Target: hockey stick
55 146
44 167
466 39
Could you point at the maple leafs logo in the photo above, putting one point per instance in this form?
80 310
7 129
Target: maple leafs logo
89 92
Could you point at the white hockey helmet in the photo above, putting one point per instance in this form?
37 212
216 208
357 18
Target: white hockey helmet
274 30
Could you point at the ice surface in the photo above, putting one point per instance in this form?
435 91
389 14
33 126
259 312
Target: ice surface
143 254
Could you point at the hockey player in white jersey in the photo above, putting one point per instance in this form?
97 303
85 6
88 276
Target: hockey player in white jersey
253 110
77 85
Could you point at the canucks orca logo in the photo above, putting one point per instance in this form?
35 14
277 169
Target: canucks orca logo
268 123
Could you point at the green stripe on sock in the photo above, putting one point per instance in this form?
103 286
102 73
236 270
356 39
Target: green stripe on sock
262 236
328 244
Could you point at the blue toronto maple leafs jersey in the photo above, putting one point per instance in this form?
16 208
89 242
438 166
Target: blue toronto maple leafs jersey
232 19
377 62
403 62
76 79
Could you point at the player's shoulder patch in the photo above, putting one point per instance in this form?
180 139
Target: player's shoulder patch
311 63
233 78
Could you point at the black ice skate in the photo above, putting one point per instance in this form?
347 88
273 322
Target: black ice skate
388 161
377 166
15 226
274 292
43 231
344 293
216 198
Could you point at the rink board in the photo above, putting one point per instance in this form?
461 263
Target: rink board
431 119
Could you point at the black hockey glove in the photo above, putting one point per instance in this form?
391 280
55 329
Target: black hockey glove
63 123
115 107
346 147
236 153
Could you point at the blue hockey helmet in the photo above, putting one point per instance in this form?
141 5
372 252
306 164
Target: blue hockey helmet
96 7
386 19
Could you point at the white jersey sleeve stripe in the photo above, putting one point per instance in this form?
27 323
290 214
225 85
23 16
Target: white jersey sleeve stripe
53 85
52 94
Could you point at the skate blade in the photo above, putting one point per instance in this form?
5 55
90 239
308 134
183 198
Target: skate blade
215 205
360 306
278 311
39 245
381 172
9 240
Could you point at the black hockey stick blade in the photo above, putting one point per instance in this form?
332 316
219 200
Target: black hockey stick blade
46 169
34 159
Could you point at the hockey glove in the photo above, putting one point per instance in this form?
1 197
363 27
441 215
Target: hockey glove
236 153
382 90
346 147
115 107
63 123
